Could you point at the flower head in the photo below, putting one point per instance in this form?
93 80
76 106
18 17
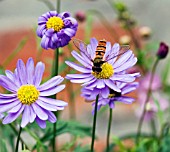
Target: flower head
80 16
113 96
28 97
56 30
163 50
102 75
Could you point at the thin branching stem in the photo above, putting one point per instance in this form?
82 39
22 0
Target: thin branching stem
146 101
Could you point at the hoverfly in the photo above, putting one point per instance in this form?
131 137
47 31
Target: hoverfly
100 56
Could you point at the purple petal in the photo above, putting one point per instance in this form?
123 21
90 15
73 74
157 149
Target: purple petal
12 116
7 96
54 102
40 30
80 59
45 42
46 106
105 92
111 84
30 70
70 32
100 83
83 80
51 117
42 20
78 67
7 100
16 108
8 106
39 111
124 99
10 75
8 84
21 71
84 75
127 65
49 32
39 70
125 78
52 91
54 38
32 115
53 13
25 116
123 59
41 123
51 83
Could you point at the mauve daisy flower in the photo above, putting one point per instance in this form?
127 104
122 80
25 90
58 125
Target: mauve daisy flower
28 97
56 30
113 96
113 68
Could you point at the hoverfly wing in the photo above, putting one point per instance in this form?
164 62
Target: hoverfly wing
82 47
122 50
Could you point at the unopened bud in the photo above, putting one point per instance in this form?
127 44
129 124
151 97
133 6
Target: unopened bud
145 32
80 16
162 51
124 40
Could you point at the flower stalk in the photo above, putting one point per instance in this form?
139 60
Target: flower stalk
18 138
108 130
94 124
146 101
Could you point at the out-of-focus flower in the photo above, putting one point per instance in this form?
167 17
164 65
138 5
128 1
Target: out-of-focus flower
28 97
144 83
163 50
80 16
114 96
112 68
125 40
56 30
145 32
152 106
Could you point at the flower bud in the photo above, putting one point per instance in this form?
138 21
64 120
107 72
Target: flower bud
125 40
80 16
145 32
162 51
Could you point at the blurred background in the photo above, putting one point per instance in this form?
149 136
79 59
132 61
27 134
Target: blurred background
18 19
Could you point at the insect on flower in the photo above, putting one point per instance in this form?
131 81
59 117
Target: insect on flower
100 55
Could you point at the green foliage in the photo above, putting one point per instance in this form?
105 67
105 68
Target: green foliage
72 127
80 148
3 146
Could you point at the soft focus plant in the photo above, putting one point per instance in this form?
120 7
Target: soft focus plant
130 72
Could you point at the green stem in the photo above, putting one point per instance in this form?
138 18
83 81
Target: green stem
146 101
16 132
18 138
108 130
94 124
153 127
54 73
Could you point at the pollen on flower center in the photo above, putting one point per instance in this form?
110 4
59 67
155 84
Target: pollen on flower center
27 94
55 22
106 73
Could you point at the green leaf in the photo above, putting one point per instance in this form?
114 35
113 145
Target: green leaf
72 127
3 146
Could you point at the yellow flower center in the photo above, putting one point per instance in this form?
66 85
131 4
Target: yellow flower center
28 94
55 22
106 73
